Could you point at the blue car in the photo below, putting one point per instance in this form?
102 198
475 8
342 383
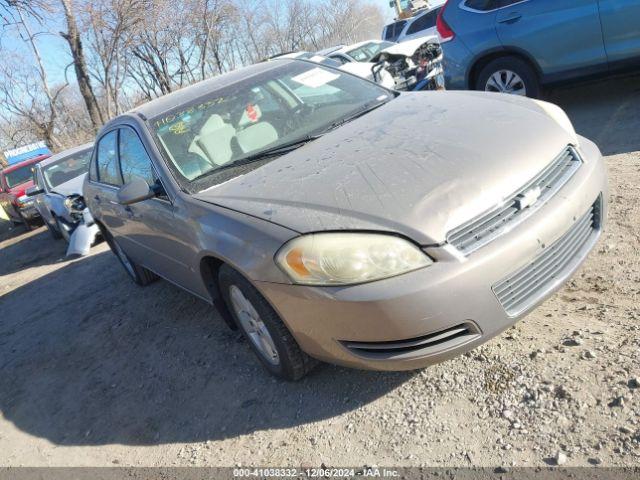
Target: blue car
519 46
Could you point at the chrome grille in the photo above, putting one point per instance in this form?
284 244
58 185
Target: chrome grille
488 226
528 285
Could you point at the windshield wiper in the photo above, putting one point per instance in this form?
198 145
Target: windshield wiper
368 107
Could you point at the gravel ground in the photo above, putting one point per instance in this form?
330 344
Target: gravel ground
95 371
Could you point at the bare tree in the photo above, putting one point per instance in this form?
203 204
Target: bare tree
72 36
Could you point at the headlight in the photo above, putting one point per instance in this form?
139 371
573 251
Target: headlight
24 200
559 115
75 203
348 258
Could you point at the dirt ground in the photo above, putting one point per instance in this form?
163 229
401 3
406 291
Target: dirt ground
95 371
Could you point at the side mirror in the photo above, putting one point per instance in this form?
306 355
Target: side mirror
134 191
33 191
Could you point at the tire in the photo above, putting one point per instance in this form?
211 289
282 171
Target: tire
27 225
140 275
63 230
291 363
53 230
497 76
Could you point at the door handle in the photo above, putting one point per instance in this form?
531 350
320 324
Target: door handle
510 18
97 199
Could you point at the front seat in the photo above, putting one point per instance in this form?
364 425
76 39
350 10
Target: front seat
214 141
256 136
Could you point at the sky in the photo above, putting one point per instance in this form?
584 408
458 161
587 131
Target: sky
55 51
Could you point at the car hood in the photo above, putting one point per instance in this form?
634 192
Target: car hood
420 166
20 190
70 187
407 48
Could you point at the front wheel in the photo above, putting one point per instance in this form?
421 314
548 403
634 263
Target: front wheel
64 229
25 222
268 336
53 230
140 275
509 75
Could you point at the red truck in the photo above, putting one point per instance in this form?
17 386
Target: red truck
14 181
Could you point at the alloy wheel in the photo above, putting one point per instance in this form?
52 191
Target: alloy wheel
506 81
253 325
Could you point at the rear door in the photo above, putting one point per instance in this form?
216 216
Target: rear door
621 30
563 36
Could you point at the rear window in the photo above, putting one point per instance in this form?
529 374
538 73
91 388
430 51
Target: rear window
426 21
393 31
19 176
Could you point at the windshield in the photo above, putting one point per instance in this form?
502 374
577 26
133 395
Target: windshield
366 52
19 176
276 108
67 168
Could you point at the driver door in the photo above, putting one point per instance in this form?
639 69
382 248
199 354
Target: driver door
151 235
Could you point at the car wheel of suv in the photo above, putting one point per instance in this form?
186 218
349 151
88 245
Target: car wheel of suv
268 336
509 75
137 273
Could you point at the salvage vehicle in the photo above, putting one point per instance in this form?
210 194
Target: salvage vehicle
361 69
58 197
14 181
519 47
319 215
410 66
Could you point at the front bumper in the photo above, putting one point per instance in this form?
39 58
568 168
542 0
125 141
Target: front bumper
436 313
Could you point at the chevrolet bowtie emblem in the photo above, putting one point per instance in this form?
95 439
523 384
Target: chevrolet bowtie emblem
528 198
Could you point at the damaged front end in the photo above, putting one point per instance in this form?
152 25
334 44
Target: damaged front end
414 65
82 230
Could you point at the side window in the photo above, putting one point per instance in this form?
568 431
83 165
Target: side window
108 171
506 3
484 5
428 20
93 168
339 58
134 160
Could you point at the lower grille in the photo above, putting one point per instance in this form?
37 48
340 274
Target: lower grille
418 346
525 287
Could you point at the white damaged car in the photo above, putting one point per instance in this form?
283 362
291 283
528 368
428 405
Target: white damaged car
409 66
58 198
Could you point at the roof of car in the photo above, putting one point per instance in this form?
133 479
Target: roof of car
348 48
65 153
188 94
28 161
415 16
